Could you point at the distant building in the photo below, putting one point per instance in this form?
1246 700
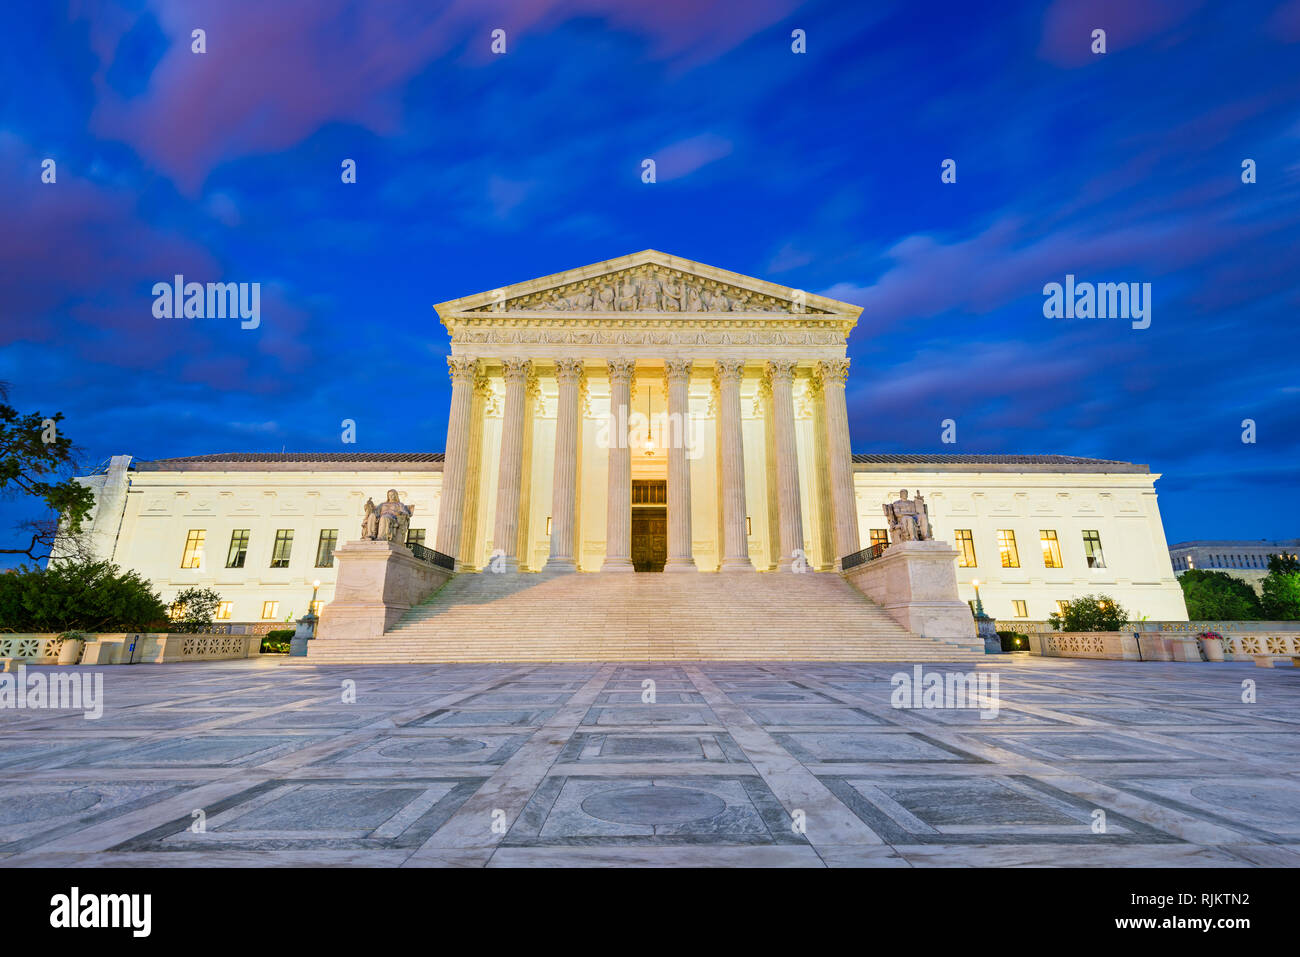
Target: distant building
1247 560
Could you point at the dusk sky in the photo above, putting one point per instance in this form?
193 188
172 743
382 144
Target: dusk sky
819 171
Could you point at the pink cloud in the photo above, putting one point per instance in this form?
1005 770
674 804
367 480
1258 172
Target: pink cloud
1068 26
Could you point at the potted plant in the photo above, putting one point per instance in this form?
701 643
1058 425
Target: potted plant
1212 645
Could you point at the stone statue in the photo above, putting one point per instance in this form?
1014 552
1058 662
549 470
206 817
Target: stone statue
650 290
909 521
672 295
626 296
390 521
370 524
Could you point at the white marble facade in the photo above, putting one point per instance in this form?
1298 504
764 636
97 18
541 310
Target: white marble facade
742 383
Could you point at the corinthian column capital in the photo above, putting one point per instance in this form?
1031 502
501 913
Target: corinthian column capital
568 370
833 371
780 370
462 369
520 370
676 368
729 370
622 370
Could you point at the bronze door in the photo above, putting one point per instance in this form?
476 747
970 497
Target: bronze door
649 539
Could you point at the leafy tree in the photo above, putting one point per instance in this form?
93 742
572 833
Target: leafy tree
194 609
1218 596
1281 588
78 596
1090 613
33 451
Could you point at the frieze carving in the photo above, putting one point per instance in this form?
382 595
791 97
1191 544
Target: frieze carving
651 288
685 338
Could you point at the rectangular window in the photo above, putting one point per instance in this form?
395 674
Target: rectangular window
880 536
1007 548
415 536
223 610
1092 548
176 611
1051 549
1022 610
1060 606
238 548
270 609
193 555
283 546
329 537
316 606
965 548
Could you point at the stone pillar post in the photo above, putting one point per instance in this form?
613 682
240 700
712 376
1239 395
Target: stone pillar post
677 382
844 505
505 537
773 513
618 502
532 400
735 552
564 494
451 507
821 481
471 552
780 372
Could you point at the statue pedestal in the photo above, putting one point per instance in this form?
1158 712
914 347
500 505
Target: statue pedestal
377 584
301 635
916 583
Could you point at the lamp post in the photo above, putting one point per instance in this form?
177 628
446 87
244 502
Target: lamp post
306 629
985 626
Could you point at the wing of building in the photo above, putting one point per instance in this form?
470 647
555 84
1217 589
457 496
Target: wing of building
648 414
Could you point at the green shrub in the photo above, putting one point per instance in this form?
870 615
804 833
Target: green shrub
79 596
194 609
277 642
1218 596
1014 641
1090 613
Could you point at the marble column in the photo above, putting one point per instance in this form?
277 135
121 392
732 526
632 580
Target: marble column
735 548
677 384
455 463
618 501
564 494
844 505
471 554
824 533
780 372
505 537
773 526
532 402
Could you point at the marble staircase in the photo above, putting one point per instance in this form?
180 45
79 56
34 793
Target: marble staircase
550 616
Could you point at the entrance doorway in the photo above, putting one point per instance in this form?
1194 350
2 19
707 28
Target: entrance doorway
649 525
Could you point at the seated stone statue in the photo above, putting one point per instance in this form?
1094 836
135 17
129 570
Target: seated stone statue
909 521
394 519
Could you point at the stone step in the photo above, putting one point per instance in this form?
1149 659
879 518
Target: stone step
701 616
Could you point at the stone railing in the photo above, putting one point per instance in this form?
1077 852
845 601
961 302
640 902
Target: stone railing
116 649
1156 644
1122 645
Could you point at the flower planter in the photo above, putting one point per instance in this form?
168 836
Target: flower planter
1213 648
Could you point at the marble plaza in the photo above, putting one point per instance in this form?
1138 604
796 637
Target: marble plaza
261 762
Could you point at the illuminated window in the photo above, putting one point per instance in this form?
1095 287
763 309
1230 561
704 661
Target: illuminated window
1051 549
1007 548
270 609
177 611
223 610
283 546
238 548
1092 548
880 536
316 606
966 548
1060 606
415 536
1022 610
193 555
329 537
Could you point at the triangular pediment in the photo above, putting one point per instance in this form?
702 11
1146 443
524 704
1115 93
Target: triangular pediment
648 282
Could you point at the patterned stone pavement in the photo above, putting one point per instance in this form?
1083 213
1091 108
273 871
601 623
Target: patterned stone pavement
755 764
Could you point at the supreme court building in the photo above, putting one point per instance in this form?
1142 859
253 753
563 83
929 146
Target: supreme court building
648 414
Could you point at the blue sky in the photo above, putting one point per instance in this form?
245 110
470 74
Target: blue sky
816 170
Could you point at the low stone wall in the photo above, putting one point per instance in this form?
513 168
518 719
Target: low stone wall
114 649
1118 645
1175 640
